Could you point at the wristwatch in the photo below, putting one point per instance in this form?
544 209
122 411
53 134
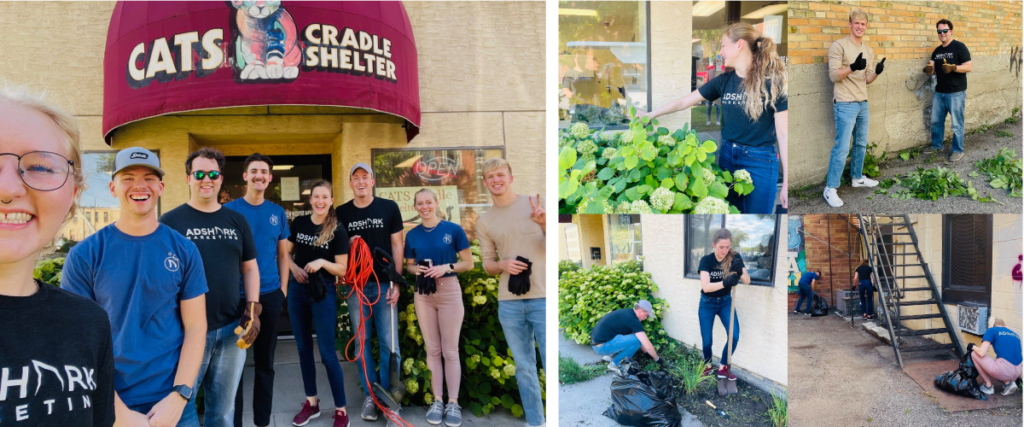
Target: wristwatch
451 268
183 390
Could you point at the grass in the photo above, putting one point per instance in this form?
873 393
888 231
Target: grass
804 193
699 116
571 372
1003 134
690 372
982 129
778 411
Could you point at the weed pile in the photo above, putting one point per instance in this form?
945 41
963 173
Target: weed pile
1002 171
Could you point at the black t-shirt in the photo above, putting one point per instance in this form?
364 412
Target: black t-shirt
57 357
955 53
225 241
737 125
864 272
618 322
374 223
713 266
304 236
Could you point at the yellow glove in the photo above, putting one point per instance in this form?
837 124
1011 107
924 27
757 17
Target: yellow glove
947 67
249 326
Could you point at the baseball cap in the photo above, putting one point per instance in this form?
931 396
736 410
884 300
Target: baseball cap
646 305
137 156
362 166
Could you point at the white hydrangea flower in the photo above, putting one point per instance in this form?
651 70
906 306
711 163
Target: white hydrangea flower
586 148
667 140
609 135
626 137
579 130
635 207
711 205
709 176
743 176
609 153
663 199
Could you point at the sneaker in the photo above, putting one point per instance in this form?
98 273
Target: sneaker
864 182
929 151
369 412
307 413
796 311
1010 388
832 197
708 370
728 375
607 359
807 314
453 415
708 123
392 423
987 389
340 419
955 157
615 369
435 413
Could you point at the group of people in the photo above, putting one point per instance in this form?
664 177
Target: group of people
620 333
849 68
151 309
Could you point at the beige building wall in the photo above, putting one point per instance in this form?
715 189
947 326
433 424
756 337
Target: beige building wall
671 49
481 72
762 349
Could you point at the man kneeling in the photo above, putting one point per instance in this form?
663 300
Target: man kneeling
1007 367
620 334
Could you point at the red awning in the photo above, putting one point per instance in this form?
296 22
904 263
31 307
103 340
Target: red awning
170 57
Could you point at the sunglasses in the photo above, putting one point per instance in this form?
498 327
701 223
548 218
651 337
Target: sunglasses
942 31
199 175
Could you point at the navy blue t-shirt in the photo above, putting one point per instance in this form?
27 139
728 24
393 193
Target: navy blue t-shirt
441 245
737 127
808 277
140 282
618 322
1006 344
269 225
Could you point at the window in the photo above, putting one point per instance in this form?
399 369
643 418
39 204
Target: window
572 244
453 173
106 217
967 259
88 216
624 238
753 237
602 62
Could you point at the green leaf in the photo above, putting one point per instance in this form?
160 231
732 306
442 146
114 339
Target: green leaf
681 181
718 190
709 146
905 155
627 151
698 189
686 128
635 175
662 173
688 160
566 158
649 181
506 401
646 189
632 111
632 194
662 131
682 203
517 411
606 174
649 154
679 134
645 119
667 183
701 155
998 183
619 186
476 409
726 176
631 162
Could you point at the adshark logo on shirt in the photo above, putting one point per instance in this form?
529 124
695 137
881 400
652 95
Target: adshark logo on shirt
447 239
172 263
211 233
15 387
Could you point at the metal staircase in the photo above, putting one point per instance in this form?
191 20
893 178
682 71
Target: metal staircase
890 260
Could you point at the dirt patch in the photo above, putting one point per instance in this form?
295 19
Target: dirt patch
748 407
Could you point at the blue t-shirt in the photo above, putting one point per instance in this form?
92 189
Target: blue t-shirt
139 281
738 127
808 277
269 225
1006 343
441 245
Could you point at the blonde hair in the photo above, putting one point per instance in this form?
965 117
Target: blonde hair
495 163
766 65
857 14
425 190
331 223
68 125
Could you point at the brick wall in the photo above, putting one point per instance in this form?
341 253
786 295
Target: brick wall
836 275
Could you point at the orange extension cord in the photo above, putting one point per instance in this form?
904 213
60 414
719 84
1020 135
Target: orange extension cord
360 267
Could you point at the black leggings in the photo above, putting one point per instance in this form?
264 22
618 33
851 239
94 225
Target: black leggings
263 354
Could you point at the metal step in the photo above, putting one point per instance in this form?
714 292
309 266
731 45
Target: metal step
908 265
925 302
915 289
912 332
908 277
893 234
922 316
928 347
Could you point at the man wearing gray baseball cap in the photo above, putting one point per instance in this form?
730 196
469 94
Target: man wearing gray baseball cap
620 334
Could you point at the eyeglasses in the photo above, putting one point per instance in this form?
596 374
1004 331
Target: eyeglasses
43 170
199 175
942 31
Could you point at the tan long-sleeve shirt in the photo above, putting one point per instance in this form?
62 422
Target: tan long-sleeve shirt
854 88
508 232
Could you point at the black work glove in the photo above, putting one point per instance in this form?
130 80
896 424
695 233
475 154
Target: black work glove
663 363
880 67
425 285
731 280
859 64
737 264
970 347
519 284
947 67
317 286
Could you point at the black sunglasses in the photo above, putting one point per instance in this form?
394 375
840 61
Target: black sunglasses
199 175
942 31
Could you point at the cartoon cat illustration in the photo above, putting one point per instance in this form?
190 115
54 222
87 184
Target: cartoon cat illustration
266 46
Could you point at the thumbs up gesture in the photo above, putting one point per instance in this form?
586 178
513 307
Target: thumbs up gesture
947 67
929 69
880 67
859 64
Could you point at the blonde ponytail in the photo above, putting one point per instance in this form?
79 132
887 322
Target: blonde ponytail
766 65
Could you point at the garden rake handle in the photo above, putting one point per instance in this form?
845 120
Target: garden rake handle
732 319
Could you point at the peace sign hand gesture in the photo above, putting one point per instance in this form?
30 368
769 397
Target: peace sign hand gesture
537 211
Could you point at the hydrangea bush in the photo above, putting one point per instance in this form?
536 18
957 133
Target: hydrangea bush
488 371
644 169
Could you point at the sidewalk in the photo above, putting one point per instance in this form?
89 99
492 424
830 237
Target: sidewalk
288 396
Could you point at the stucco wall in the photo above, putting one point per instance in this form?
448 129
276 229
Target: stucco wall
762 349
671 49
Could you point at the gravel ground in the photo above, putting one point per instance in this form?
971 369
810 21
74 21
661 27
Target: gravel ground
977 147
837 378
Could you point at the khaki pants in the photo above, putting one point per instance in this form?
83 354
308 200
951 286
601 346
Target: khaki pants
440 318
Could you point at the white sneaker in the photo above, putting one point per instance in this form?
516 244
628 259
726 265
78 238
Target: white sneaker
607 359
987 390
832 197
864 182
1010 388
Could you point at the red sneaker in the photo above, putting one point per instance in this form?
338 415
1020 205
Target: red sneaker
724 373
307 413
340 419
708 370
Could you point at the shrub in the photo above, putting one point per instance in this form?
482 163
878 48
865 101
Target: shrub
585 296
645 169
488 371
49 271
565 266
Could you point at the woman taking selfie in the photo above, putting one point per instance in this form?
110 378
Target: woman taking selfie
754 101
436 251
45 331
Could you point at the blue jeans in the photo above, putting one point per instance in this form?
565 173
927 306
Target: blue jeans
219 374
851 121
763 165
805 293
189 418
323 316
709 308
867 302
622 346
381 316
523 323
953 104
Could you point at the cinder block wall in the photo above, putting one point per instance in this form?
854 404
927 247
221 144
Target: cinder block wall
900 99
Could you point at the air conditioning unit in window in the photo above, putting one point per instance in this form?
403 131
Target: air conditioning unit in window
972 318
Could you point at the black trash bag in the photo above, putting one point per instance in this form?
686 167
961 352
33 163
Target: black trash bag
819 307
519 284
425 285
316 284
962 380
645 399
